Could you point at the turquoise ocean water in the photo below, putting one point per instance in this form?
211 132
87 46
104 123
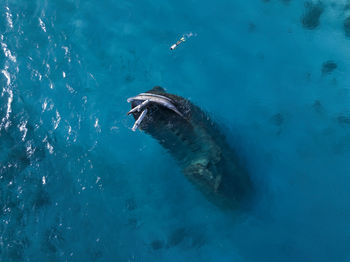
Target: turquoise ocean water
76 184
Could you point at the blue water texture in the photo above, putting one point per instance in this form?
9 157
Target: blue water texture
76 184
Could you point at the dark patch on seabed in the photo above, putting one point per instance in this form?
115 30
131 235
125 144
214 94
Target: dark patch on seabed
347 26
318 107
311 17
344 120
328 67
277 119
18 202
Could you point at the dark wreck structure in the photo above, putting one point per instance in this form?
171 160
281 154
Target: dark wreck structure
196 143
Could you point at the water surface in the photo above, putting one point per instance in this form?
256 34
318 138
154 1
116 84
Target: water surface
77 185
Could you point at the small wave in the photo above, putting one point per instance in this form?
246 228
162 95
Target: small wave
48 145
42 25
9 17
5 121
57 121
29 149
96 125
65 48
7 51
23 129
7 75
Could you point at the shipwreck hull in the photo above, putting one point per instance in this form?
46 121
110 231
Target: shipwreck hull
199 147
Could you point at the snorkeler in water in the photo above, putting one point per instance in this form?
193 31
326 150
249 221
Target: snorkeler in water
182 39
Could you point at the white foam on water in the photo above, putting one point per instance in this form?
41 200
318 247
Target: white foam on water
7 75
84 98
92 76
29 150
9 17
57 121
49 147
7 52
65 48
23 129
5 121
70 89
96 123
44 105
69 131
189 35
42 25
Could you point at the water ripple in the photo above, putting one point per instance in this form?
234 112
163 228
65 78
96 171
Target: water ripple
7 51
9 17
42 25
5 122
23 129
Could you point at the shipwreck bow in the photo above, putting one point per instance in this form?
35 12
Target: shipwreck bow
197 144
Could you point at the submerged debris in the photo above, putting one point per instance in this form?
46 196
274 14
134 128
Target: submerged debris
187 237
343 120
318 107
177 236
328 67
347 26
157 244
251 27
311 18
277 119
130 204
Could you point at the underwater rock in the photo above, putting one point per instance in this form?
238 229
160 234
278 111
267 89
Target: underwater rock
95 254
343 120
251 27
134 223
318 107
328 67
311 18
347 26
157 244
41 198
52 240
308 76
196 143
130 204
129 78
177 236
186 237
277 119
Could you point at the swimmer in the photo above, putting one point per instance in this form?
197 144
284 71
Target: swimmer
182 39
